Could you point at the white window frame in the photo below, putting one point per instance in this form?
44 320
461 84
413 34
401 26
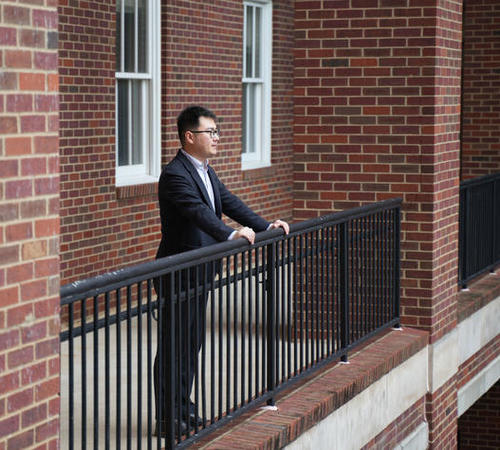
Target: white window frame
262 120
149 171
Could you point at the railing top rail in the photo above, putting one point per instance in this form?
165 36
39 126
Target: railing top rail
479 180
152 269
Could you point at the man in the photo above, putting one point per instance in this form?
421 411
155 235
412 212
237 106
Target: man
192 200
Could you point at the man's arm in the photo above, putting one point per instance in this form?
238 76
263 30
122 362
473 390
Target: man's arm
180 192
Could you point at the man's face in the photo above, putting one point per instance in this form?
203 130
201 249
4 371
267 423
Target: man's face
202 145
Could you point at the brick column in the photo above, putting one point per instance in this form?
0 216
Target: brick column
377 115
29 224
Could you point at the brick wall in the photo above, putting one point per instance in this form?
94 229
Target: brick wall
377 115
29 226
103 227
481 89
202 64
478 426
377 103
400 429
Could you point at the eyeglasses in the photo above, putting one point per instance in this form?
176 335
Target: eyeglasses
213 133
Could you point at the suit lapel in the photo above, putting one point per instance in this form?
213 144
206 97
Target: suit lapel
194 174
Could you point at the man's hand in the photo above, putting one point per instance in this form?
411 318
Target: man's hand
280 224
246 233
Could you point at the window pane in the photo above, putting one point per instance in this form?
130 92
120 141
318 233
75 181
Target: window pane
123 131
248 42
257 42
251 118
118 35
129 36
142 35
244 117
139 120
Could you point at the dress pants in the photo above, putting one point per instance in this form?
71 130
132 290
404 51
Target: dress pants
189 335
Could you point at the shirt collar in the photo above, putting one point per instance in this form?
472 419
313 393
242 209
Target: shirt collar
195 161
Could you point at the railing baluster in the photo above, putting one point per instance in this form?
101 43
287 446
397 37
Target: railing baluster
118 369
71 384
129 369
148 362
83 312
96 371
344 288
139 368
271 319
243 330
258 331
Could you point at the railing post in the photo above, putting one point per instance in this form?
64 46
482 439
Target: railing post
397 262
271 319
462 234
166 311
344 288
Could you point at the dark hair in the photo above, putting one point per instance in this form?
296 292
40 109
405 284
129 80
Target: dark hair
189 119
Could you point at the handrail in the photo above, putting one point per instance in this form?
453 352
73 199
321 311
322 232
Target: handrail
161 266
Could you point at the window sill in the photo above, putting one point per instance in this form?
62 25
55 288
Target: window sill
136 190
260 172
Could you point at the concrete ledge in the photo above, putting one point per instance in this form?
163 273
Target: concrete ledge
374 367
478 386
417 440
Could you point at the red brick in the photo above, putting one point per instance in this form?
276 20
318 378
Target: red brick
9 296
45 60
32 38
18 231
9 339
47 308
7 36
9 169
8 81
33 166
23 440
17 146
34 415
8 125
33 289
9 426
47 389
33 374
46 227
35 332
19 400
46 144
34 208
18 59
47 348
21 272
32 81
18 314
33 124
47 430
18 189
8 383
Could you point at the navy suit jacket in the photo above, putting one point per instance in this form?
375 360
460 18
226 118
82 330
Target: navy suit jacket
188 220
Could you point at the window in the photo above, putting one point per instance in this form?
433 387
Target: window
138 143
256 96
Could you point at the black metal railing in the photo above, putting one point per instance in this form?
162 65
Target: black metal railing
265 316
479 226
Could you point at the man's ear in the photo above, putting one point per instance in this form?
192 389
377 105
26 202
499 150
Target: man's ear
188 137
